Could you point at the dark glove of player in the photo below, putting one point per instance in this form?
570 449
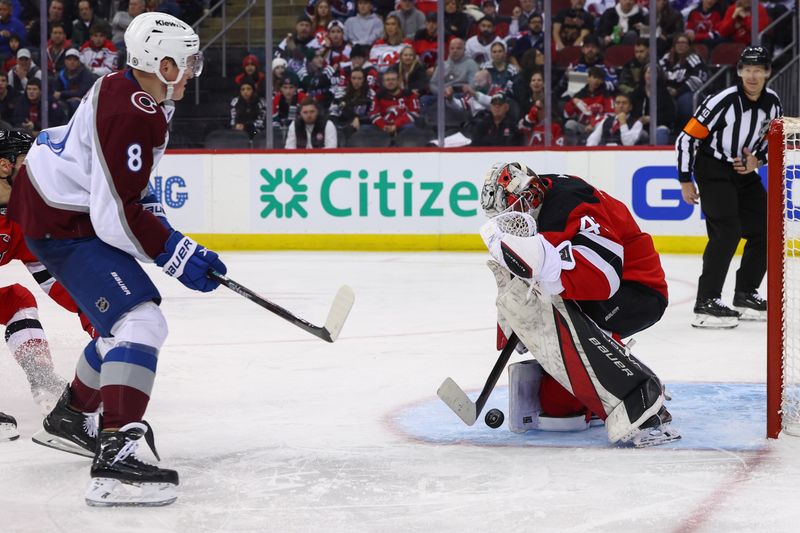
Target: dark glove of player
151 204
189 262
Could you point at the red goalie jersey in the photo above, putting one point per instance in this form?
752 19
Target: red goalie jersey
12 246
606 243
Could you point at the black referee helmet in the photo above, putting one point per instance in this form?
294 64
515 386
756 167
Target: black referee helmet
755 55
14 143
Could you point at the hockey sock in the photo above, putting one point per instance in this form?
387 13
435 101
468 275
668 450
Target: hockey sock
126 381
26 340
86 385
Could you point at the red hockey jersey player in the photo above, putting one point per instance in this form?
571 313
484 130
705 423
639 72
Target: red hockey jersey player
584 276
25 337
394 106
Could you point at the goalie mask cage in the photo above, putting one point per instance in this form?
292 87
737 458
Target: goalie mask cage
783 278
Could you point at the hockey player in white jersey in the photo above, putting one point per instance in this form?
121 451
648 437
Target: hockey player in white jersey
83 207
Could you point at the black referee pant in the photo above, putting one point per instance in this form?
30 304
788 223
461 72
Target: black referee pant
735 207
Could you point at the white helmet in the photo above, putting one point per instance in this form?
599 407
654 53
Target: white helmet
151 37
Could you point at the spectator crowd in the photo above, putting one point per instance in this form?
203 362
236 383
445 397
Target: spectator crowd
364 72
368 68
84 40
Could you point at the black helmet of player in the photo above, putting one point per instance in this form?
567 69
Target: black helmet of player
512 186
14 143
754 55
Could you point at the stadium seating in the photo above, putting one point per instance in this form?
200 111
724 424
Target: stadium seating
222 139
618 55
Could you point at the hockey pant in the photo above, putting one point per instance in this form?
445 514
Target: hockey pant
589 364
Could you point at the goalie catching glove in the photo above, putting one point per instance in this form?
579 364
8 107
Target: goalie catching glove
190 263
523 253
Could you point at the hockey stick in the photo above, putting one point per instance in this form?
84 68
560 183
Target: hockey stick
457 400
340 308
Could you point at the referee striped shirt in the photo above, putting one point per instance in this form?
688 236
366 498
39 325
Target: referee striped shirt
724 124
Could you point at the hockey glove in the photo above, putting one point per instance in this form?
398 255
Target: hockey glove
189 262
151 204
87 325
529 257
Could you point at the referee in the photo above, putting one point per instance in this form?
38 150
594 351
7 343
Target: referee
724 143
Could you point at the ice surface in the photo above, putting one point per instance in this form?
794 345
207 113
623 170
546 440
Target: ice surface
272 429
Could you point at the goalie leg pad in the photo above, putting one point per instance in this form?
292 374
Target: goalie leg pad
524 379
537 401
579 355
624 421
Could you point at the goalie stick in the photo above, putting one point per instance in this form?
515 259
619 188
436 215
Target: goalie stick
340 308
457 400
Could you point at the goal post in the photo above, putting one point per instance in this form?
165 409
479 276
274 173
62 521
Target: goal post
783 278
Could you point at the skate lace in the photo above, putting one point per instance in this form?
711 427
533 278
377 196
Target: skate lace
90 425
126 451
717 302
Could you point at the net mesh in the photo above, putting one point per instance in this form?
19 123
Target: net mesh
791 277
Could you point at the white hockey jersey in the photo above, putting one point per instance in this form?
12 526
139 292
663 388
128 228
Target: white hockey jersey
85 178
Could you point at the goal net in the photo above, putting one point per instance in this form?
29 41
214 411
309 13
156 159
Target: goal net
783 278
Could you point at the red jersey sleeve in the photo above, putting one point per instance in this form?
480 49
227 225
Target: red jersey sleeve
597 250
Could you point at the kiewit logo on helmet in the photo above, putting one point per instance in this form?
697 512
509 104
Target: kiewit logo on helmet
169 23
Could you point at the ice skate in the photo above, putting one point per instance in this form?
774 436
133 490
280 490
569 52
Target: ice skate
711 313
119 478
8 427
656 430
750 306
68 430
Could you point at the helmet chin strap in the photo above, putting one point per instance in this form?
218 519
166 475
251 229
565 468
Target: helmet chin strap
170 84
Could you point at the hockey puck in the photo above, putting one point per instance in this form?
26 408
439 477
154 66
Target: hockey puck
494 418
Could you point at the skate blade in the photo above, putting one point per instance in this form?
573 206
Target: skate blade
57 443
107 492
655 436
714 322
8 432
751 315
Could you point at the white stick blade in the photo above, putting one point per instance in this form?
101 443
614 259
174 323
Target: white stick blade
340 309
457 400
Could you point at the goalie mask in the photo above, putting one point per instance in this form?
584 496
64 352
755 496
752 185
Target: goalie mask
512 185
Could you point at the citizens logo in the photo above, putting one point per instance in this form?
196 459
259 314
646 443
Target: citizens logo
347 193
291 206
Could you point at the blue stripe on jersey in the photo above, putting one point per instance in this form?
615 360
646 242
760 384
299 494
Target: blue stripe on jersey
55 147
133 354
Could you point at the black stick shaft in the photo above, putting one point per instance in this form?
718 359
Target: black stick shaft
494 375
241 290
